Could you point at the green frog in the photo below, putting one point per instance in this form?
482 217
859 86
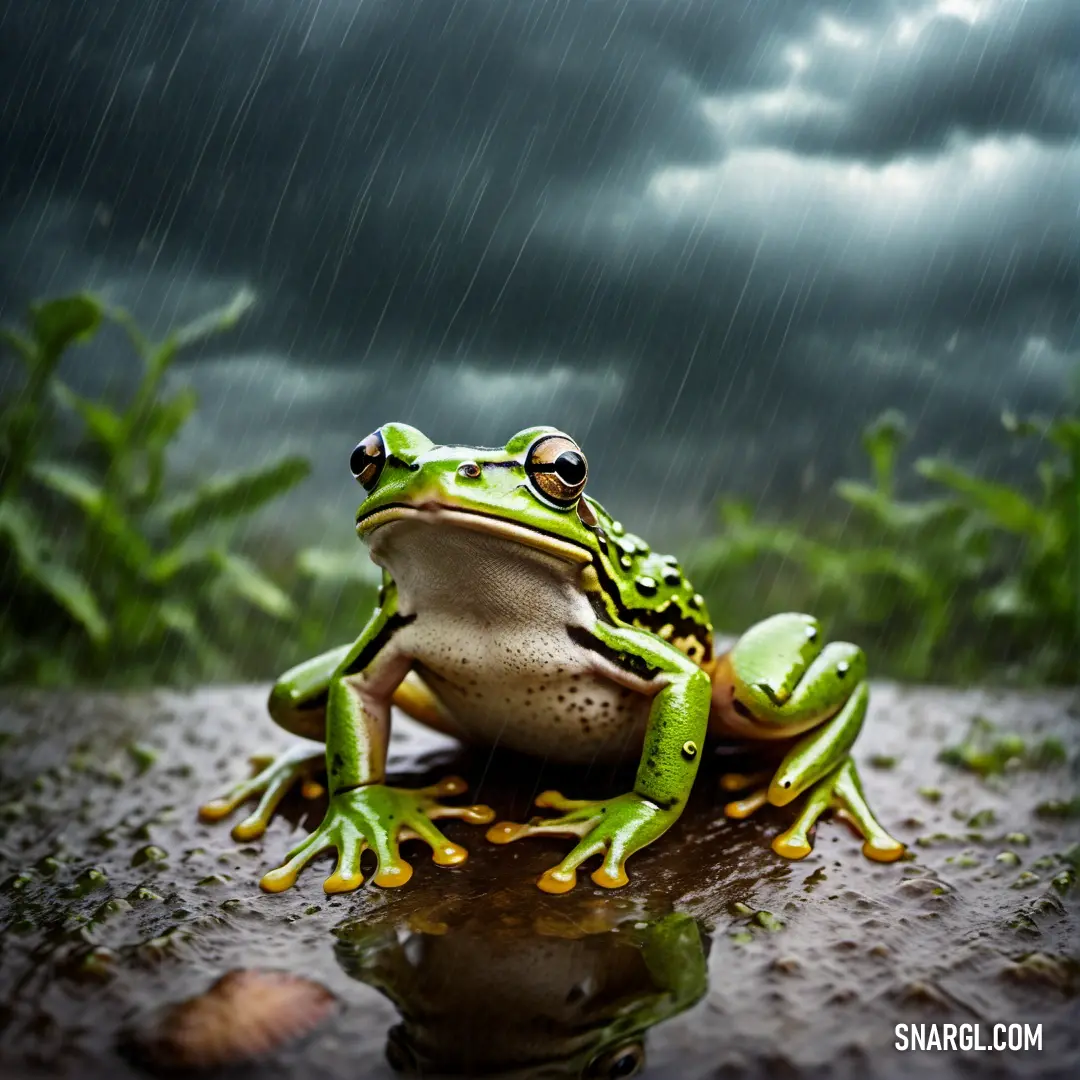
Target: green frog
515 611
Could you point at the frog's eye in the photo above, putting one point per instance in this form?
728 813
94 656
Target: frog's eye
557 468
624 1061
367 460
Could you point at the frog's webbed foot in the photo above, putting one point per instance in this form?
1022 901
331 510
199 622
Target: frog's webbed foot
614 828
852 808
273 778
380 818
838 790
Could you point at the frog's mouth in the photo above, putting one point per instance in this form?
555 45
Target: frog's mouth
436 514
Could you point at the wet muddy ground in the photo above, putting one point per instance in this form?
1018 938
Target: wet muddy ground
115 901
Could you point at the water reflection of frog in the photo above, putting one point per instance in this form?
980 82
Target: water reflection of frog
485 991
515 611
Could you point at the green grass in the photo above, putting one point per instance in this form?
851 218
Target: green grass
109 579
979 581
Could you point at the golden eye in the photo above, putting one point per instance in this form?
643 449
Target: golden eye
557 469
367 460
619 1064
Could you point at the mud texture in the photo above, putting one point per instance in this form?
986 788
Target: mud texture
115 901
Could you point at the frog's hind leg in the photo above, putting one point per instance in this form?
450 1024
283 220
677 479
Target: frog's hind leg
298 704
794 843
273 779
841 792
852 808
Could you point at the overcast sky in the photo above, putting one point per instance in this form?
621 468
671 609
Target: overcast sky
710 238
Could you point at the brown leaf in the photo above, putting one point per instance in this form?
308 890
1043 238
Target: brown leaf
244 1015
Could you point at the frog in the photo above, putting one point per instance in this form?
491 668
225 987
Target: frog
515 611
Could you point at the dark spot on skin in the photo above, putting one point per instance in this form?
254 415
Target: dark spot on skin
646 586
811 633
842 669
786 783
672 577
573 689
338 763
562 697
588 701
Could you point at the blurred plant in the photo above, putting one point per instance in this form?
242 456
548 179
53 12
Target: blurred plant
988 752
944 587
138 576
1037 598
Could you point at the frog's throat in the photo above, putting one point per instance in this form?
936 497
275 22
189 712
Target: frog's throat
436 514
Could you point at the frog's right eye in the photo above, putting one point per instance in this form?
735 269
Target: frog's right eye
557 469
368 459
624 1061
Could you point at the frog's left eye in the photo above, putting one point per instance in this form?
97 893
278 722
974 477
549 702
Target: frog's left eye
367 460
557 469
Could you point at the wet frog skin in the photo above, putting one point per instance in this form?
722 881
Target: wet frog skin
515 611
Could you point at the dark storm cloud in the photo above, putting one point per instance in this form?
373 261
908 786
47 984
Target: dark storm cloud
975 68
686 218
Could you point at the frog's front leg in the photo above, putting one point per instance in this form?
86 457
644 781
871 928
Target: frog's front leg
616 828
363 811
298 704
780 681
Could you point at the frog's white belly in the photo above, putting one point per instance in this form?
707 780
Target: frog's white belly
527 691
490 639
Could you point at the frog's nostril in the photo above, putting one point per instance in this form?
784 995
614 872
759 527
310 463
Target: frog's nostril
469 469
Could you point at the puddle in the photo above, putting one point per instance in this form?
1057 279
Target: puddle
719 960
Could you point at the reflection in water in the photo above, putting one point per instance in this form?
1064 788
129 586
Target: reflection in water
489 986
